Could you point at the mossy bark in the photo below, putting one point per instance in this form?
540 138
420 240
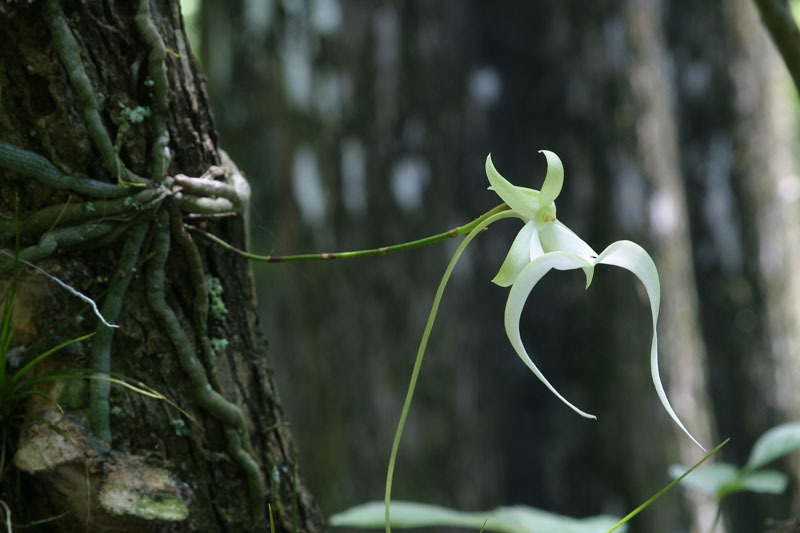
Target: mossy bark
42 111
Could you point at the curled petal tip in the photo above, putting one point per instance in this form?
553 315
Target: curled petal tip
523 201
553 180
524 283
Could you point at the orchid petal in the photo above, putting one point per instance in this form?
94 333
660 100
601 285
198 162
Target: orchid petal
526 280
518 256
536 249
632 257
553 180
556 237
520 199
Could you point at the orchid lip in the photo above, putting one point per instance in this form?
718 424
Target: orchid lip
544 244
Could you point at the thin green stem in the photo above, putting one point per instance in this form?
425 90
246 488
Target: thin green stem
455 232
475 228
660 493
6 324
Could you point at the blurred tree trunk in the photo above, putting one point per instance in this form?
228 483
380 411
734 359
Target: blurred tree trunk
767 102
160 471
656 140
386 112
734 153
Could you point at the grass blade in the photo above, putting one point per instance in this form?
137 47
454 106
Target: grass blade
46 354
660 493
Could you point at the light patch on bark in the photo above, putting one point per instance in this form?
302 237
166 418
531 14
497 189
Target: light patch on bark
105 488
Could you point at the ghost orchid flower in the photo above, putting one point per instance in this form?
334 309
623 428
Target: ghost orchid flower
543 244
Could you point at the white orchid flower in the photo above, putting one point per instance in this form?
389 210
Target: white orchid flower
543 244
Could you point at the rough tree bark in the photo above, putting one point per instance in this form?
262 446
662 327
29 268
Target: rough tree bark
93 93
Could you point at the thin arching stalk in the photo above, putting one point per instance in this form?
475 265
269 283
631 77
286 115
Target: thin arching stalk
478 227
455 232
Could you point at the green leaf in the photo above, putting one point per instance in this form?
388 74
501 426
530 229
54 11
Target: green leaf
39 358
721 479
774 444
666 489
716 479
766 481
516 519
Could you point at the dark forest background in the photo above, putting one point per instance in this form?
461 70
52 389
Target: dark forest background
361 124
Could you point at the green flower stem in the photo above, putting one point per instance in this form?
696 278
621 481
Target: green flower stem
455 232
660 493
101 344
476 227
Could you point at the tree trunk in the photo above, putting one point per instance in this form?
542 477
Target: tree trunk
656 141
92 94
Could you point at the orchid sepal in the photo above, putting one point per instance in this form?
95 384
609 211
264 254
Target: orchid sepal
518 256
520 290
522 200
553 180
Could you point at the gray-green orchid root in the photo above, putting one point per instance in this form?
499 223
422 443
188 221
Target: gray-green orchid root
158 76
59 239
202 204
101 343
206 196
70 54
200 300
61 214
41 169
208 399
205 185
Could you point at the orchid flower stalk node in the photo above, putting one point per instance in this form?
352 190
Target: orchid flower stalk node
543 244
